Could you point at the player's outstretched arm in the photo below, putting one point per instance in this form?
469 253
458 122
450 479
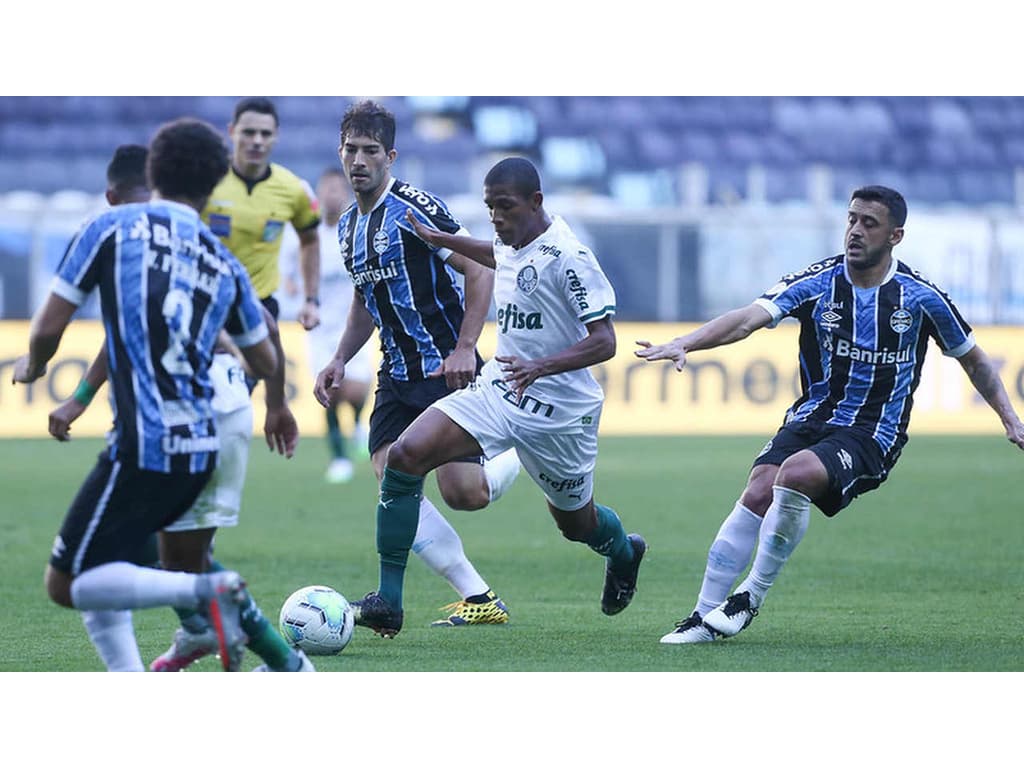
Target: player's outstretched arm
62 417
598 346
729 328
985 377
480 251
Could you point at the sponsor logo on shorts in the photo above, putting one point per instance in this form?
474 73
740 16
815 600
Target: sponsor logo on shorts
559 484
767 447
845 458
58 547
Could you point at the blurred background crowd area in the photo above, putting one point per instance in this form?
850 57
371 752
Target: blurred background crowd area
693 204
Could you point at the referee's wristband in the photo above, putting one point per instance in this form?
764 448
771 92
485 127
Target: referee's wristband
84 392
313 300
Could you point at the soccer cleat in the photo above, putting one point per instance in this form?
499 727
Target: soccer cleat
490 611
690 630
339 471
306 666
223 609
619 590
733 615
375 612
186 648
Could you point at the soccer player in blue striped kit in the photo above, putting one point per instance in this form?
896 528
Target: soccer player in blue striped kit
428 327
167 287
865 320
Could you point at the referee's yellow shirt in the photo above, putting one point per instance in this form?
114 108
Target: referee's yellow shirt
249 218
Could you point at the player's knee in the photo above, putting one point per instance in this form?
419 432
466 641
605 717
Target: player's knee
803 473
404 458
464 497
58 586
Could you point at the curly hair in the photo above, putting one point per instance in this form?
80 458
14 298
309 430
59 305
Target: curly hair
187 158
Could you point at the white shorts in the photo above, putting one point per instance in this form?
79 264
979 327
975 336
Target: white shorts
562 465
221 498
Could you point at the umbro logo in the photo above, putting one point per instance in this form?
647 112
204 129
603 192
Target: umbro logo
831 317
845 458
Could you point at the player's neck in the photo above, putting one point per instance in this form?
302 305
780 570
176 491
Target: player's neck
196 203
870 277
367 200
251 171
537 228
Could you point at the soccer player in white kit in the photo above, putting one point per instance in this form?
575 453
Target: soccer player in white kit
554 310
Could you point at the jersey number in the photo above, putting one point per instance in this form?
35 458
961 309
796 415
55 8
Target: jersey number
177 311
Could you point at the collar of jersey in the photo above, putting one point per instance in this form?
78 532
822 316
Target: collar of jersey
380 199
888 275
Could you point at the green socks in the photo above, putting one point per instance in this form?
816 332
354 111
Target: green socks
609 538
398 514
264 639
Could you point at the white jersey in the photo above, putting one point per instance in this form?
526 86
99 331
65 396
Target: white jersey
545 294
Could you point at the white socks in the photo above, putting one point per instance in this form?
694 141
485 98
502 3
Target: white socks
120 585
113 636
728 557
440 547
784 526
501 472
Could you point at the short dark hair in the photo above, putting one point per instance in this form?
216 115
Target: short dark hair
259 104
368 118
518 172
890 198
187 158
127 168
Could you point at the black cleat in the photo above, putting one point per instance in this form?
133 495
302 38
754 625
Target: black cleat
619 590
376 613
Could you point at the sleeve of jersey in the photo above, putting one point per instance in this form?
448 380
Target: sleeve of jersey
307 207
245 322
786 296
78 271
949 329
587 289
437 216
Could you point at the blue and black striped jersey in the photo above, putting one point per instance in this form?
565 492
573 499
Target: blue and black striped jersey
167 286
407 285
862 349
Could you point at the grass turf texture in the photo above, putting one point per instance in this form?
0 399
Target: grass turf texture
921 575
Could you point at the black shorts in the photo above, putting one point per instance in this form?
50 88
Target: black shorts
396 405
854 461
116 510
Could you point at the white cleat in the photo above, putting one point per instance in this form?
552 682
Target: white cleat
732 616
689 630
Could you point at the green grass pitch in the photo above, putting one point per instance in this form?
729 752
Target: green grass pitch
923 574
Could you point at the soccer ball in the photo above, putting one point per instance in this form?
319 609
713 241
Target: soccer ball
317 620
